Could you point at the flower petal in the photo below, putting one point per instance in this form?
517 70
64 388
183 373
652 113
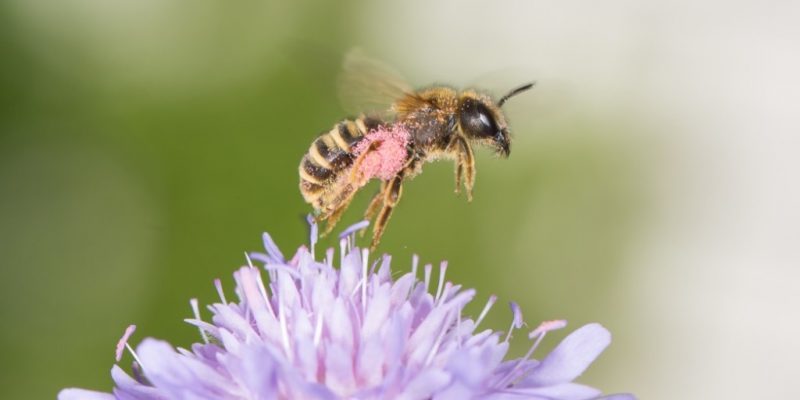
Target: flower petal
618 396
81 394
571 357
424 385
563 391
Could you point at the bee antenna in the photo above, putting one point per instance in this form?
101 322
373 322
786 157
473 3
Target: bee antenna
514 93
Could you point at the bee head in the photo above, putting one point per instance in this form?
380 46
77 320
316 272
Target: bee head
482 121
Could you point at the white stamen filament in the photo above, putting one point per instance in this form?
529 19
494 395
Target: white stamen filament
284 329
510 329
318 329
220 292
486 308
329 257
442 271
445 292
364 265
510 375
428 269
458 330
136 357
414 264
261 289
439 338
196 310
342 250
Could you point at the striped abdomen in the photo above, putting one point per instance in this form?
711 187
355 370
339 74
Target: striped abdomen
329 155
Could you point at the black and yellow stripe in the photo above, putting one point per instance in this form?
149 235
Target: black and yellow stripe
330 154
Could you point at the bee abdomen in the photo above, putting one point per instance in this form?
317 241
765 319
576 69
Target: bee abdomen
330 154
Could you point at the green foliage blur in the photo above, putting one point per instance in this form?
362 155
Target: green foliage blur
144 146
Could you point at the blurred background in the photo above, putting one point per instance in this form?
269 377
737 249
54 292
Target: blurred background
652 186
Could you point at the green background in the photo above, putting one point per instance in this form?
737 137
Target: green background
141 156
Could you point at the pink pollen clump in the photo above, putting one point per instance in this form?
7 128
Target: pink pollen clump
386 152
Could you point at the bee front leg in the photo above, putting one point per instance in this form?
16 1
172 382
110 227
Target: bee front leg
391 196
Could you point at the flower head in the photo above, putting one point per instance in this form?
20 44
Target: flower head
314 331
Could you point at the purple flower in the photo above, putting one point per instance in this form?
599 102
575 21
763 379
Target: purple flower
318 332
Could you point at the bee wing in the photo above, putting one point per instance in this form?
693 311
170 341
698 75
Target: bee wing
369 86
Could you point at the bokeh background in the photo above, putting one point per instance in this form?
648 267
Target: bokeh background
652 186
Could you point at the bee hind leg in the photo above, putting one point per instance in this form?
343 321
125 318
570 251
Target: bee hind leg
374 205
391 196
459 174
465 167
332 217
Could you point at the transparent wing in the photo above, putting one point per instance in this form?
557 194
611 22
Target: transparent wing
369 86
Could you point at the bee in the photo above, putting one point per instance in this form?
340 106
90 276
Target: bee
399 129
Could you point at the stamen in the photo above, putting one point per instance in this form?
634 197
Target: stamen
445 292
489 304
124 341
352 229
272 248
414 264
329 257
458 330
442 271
135 357
364 265
343 250
220 292
428 269
538 333
284 330
314 234
438 341
261 289
517 321
196 311
318 329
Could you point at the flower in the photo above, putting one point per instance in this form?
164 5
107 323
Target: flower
318 332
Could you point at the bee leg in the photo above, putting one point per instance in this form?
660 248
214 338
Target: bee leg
466 160
459 174
392 192
344 198
333 216
374 205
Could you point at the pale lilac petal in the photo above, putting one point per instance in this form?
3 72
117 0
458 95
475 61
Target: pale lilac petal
128 388
81 394
618 396
571 357
425 385
256 370
562 391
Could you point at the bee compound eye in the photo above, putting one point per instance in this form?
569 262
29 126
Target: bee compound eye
477 120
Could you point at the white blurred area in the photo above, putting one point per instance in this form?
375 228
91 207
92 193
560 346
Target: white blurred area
712 284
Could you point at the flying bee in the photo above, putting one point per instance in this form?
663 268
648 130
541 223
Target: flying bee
399 129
